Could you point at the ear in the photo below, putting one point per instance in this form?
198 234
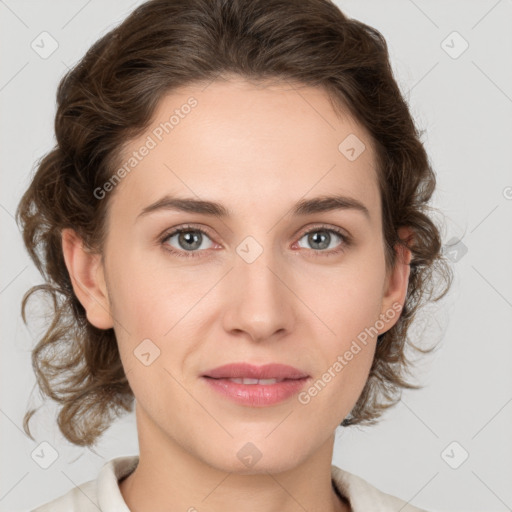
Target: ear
397 281
88 279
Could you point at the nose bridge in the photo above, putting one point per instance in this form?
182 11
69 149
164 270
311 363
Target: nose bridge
260 302
255 270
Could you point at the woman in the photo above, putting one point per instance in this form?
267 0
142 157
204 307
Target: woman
233 226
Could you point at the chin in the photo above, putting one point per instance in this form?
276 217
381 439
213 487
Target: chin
246 457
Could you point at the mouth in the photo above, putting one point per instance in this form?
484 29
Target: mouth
255 386
249 381
251 374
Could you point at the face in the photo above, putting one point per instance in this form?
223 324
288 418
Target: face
260 284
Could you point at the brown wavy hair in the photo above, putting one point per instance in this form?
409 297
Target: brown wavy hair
109 97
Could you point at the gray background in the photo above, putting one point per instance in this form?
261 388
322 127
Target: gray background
464 104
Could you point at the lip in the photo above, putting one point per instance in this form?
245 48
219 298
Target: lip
267 371
256 395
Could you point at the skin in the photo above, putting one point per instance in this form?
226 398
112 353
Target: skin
257 150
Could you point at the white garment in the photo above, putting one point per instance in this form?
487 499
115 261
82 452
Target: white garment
103 494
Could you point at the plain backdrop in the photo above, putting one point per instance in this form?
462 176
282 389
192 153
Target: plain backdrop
447 447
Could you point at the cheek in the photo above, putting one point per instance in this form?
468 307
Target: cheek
348 304
345 363
152 303
146 299
349 300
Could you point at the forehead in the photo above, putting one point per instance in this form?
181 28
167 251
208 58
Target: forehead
247 144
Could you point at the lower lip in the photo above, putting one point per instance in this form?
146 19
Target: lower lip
257 395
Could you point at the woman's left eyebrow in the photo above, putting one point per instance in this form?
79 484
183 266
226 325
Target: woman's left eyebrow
215 209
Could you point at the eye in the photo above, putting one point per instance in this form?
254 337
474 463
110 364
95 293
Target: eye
189 240
320 238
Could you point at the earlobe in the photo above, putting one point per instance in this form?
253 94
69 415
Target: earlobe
88 279
397 281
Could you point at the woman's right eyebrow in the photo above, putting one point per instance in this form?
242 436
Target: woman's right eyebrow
301 208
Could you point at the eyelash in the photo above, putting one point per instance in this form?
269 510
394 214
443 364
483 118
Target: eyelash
346 241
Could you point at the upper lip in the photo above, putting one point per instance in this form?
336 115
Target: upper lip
267 371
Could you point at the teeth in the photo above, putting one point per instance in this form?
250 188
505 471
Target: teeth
255 381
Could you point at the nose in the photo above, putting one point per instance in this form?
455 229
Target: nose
261 302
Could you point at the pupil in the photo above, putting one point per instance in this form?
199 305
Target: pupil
189 237
320 234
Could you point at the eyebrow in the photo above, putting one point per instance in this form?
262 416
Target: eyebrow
301 208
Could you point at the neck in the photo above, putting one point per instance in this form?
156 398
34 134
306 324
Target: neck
170 477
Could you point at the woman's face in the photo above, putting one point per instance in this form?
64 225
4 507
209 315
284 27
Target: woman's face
260 284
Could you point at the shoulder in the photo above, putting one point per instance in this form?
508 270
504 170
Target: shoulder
81 498
100 494
363 496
